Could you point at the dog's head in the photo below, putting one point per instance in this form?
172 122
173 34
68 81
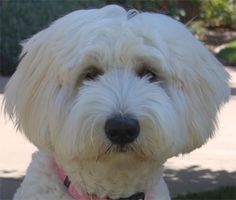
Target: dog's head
103 83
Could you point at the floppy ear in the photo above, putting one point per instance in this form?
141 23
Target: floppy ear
197 82
34 88
203 78
207 89
23 90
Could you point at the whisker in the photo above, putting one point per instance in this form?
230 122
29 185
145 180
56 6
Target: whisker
108 149
105 152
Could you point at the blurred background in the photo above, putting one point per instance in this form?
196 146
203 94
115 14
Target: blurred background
213 21
206 173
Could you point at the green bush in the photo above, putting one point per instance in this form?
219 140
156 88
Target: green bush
20 19
219 13
228 54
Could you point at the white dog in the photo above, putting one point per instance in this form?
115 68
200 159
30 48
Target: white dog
108 96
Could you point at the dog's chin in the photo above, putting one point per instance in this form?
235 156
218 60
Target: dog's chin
123 156
122 161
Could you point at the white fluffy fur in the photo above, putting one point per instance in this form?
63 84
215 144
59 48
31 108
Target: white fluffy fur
64 116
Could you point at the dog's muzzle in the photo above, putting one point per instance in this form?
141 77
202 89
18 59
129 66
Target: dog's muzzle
122 130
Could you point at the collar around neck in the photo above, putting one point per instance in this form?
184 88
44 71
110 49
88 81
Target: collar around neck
77 196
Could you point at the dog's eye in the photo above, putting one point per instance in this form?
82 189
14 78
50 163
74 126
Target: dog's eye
92 73
151 76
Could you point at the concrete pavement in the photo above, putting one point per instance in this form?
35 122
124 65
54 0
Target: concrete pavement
209 167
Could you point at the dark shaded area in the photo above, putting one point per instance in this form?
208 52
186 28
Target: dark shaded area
196 179
233 91
8 186
223 193
219 37
20 20
3 82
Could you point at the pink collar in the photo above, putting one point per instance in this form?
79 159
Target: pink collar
71 188
77 196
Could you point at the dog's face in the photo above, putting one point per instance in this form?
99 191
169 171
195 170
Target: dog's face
102 85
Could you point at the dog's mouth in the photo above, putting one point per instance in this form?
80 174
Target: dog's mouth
125 149
122 148
123 156
128 149
115 149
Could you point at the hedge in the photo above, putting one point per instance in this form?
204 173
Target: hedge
20 19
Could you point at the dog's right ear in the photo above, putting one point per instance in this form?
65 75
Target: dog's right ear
33 97
23 90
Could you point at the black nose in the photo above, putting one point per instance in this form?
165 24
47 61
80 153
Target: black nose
122 129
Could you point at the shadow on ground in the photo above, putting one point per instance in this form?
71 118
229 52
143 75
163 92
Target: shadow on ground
233 91
3 82
8 186
196 179
192 179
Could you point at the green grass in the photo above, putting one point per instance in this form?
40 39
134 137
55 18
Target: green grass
228 54
224 193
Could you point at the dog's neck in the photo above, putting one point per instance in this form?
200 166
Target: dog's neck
77 196
112 181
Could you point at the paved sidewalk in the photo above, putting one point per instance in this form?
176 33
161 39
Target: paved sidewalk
209 167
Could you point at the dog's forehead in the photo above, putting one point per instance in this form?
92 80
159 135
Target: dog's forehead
107 45
110 32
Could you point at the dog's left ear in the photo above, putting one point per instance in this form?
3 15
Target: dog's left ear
197 82
203 80
206 85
